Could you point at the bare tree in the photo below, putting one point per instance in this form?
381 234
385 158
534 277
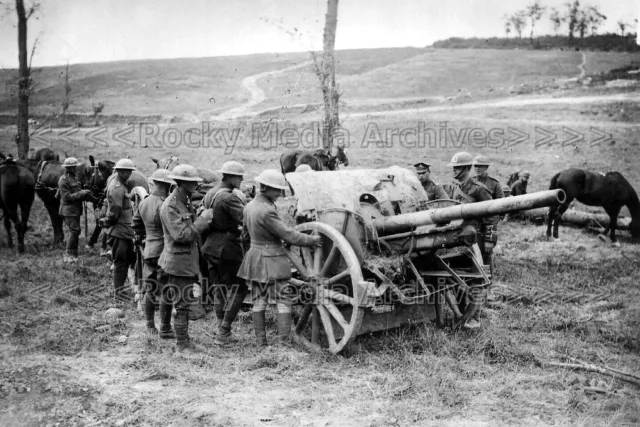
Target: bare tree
325 69
66 102
98 108
573 10
518 21
25 83
623 26
594 18
534 11
507 24
556 19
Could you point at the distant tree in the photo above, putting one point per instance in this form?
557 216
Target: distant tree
507 24
66 102
623 26
573 10
534 11
594 18
518 21
97 110
556 19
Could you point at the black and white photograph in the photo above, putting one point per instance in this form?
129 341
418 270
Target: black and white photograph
319 213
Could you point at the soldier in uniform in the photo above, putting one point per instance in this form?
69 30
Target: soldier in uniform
468 190
223 248
304 168
266 265
179 261
519 187
117 226
481 164
148 227
434 191
71 197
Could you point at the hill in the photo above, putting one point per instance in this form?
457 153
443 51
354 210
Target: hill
603 42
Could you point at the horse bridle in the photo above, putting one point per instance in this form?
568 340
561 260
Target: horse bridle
169 162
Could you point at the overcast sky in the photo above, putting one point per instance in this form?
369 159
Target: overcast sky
106 30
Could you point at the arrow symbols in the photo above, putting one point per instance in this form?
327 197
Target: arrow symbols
520 137
602 137
64 136
93 136
120 135
549 137
37 135
577 137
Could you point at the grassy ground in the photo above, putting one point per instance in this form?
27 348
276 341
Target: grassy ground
63 363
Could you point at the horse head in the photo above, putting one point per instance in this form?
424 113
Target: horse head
168 163
337 156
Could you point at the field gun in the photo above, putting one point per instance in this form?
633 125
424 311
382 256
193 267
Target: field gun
389 255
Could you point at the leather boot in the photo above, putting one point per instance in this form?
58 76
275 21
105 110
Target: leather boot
150 312
224 330
258 326
165 321
181 326
284 327
119 278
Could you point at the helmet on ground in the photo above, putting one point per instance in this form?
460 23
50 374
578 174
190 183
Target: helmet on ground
124 164
272 178
526 174
185 173
162 175
422 167
233 168
304 168
70 162
481 161
461 159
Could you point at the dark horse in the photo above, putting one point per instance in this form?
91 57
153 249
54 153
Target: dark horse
17 189
318 160
611 191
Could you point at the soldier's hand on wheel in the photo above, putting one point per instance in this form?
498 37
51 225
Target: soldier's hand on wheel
316 240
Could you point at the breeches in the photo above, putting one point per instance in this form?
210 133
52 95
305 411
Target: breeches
224 282
176 290
281 291
73 223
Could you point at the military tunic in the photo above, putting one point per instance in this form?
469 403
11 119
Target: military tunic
71 197
146 223
434 191
492 184
119 212
519 188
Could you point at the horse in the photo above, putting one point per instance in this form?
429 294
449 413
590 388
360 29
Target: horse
318 160
44 153
610 190
17 189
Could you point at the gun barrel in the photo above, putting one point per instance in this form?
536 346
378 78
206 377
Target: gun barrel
470 211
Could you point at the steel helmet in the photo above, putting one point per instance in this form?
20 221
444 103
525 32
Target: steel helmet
304 168
162 175
233 168
526 173
481 161
185 173
124 164
70 162
272 178
461 159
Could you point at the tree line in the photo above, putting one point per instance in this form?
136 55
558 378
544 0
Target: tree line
580 20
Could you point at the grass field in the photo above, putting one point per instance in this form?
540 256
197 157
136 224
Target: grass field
575 298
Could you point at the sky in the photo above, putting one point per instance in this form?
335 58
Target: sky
82 31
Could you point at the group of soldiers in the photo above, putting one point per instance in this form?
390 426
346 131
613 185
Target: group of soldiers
241 243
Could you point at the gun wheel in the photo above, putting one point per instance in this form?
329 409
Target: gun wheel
329 279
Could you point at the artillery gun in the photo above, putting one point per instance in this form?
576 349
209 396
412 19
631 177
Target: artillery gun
389 256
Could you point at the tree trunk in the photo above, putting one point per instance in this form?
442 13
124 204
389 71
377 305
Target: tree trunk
24 81
329 92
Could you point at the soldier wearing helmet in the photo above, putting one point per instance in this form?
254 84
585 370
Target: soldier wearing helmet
117 226
481 164
266 264
434 191
71 198
148 227
179 261
304 168
519 187
223 248
468 190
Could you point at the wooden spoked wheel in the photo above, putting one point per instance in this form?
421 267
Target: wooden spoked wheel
329 279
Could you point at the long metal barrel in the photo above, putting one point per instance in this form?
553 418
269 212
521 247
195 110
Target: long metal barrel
406 222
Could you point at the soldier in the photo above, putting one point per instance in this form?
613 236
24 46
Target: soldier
304 168
117 226
71 197
148 227
223 248
520 186
468 190
179 261
481 164
266 264
434 191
